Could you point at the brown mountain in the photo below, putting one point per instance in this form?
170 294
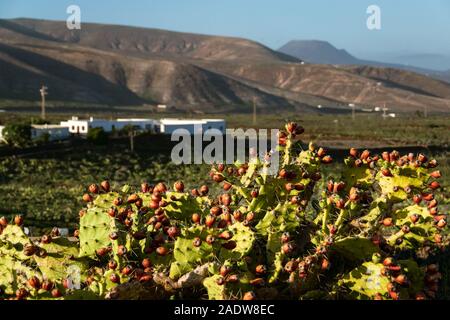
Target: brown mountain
323 52
400 91
316 51
30 57
142 42
128 66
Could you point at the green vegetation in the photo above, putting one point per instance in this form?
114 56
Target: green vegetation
17 134
97 136
367 130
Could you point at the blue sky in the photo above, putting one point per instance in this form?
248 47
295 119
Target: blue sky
407 26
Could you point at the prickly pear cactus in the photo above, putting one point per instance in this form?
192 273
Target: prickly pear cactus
372 231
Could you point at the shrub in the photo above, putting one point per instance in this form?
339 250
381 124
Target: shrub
17 134
97 136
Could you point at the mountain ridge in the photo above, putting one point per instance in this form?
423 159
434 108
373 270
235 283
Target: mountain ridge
116 65
148 40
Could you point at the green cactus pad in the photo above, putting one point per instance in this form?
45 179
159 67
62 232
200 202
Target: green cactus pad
421 231
402 216
105 201
94 231
13 241
61 260
186 255
357 176
356 249
227 290
244 238
366 281
14 274
215 291
402 179
184 206
282 218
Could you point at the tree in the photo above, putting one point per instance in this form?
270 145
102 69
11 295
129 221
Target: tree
126 130
97 136
17 134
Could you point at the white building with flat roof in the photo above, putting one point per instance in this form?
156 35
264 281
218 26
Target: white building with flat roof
167 126
194 126
140 124
77 126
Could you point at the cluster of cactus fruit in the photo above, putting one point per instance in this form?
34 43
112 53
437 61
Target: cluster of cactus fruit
371 233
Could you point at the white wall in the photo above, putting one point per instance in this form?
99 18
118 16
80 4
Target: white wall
1 134
82 126
192 128
143 124
76 126
165 125
215 124
53 132
168 126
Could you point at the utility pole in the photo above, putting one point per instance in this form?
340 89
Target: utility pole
43 92
254 111
426 111
384 111
352 105
132 140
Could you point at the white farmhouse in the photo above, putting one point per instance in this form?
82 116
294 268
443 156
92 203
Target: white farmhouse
77 126
82 126
168 126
